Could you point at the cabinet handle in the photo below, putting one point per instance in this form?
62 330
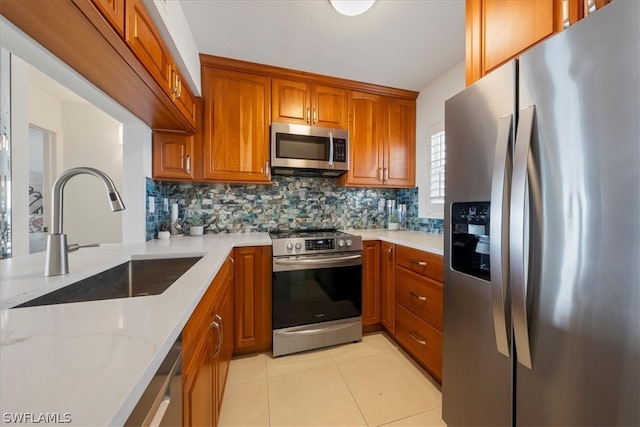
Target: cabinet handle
565 14
390 252
233 268
188 162
179 81
416 339
420 297
174 77
308 115
380 175
218 346
267 170
386 174
221 320
589 7
420 263
315 116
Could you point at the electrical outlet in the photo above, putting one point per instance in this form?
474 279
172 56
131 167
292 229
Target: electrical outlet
152 204
165 203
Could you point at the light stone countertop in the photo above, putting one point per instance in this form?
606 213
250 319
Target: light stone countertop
93 360
429 242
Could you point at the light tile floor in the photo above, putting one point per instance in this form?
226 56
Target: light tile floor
371 383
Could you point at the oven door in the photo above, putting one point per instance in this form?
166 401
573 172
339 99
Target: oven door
317 288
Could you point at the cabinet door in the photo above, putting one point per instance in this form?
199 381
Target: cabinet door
145 42
329 107
223 310
253 298
387 285
291 102
236 126
182 96
173 155
198 392
400 143
113 11
370 282
512 26
365 147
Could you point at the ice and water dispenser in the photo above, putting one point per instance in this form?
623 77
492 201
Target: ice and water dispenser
470 238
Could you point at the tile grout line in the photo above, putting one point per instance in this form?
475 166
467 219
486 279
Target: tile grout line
352 396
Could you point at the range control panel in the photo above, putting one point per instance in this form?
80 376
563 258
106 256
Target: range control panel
319 244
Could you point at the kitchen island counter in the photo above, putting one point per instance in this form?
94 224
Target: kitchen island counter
88 363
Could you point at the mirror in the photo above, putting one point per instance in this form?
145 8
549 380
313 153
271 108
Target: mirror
48 128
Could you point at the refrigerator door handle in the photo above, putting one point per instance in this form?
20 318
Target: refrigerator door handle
498 242
518 237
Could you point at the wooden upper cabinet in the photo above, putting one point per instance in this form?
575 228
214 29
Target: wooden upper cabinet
309 104
400 143
365 135
173 156
182 96
512 26
236 126
500 30
113 11
145 42
381 141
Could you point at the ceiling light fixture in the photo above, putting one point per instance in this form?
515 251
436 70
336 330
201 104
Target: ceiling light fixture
352 7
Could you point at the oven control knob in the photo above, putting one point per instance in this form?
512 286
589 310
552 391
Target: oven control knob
289 246
349 242
340 243
298 245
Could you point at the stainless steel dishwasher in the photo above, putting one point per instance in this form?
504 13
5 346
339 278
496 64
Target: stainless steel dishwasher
161 402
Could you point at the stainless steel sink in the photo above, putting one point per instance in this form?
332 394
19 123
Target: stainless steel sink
131 279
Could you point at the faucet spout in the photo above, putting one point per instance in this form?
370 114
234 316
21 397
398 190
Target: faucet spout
56 259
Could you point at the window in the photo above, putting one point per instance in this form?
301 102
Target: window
436 194
432 195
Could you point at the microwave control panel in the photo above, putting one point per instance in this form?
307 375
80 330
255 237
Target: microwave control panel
339 150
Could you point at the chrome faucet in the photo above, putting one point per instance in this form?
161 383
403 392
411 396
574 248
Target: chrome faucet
57 262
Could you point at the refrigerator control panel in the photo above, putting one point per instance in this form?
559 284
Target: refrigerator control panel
470 238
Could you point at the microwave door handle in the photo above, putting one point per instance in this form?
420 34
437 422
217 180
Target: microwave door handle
330 148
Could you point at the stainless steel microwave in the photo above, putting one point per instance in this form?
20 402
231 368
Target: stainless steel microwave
301 150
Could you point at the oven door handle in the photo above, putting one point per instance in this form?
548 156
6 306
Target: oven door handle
314 261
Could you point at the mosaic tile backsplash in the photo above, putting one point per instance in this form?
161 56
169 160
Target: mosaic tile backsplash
290 203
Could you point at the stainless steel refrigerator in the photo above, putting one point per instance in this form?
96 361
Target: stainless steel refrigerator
542 234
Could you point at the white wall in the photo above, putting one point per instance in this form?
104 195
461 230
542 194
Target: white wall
430 112
91 138
136 167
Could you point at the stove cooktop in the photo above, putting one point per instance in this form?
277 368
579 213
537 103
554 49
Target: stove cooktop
313 241
307 233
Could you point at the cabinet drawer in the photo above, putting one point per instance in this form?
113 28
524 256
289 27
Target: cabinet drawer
420 295
424 263
421 340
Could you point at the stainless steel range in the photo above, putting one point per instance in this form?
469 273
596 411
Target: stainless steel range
317 289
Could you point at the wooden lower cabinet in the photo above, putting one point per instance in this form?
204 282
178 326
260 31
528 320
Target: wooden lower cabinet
207 347
252 289
387 286
422 340
421 295
370 282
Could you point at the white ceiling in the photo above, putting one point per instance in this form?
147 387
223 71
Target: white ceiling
399 43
